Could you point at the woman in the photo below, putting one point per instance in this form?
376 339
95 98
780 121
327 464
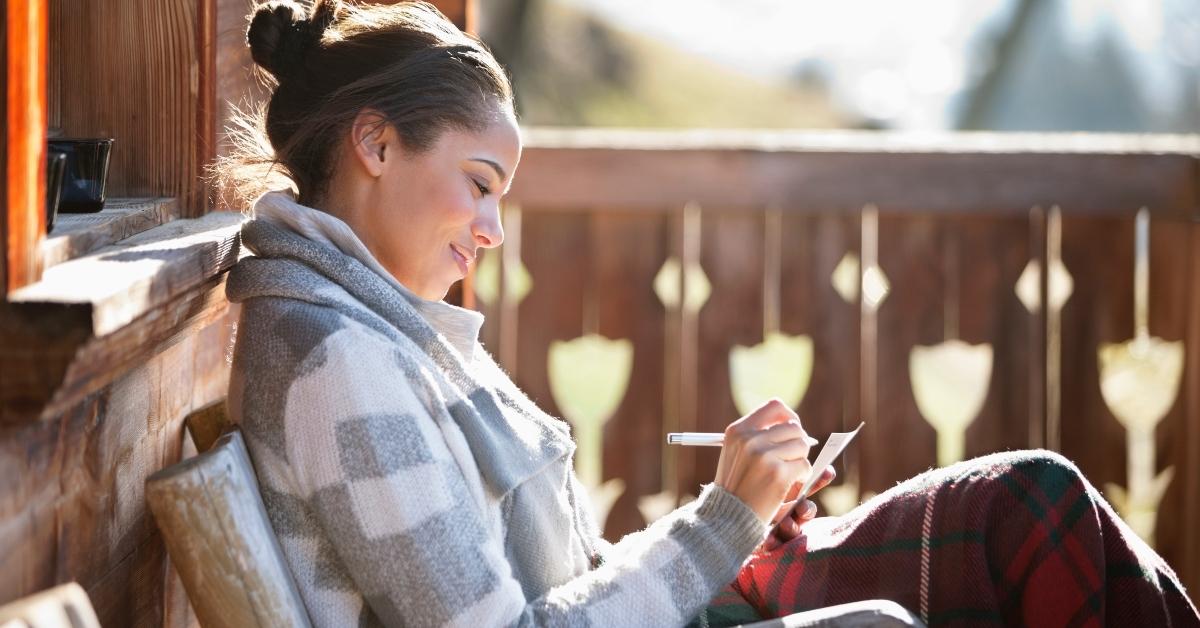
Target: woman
411 482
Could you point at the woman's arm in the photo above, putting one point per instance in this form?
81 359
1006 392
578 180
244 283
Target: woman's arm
404 521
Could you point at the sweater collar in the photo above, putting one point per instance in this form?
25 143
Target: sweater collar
508 447
459 325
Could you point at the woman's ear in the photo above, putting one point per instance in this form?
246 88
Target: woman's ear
369 136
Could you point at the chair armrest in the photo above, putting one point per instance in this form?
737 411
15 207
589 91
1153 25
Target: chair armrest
864 614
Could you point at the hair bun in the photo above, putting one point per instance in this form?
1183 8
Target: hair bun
280 34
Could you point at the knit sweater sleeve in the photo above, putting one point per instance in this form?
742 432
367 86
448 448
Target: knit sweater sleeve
380 479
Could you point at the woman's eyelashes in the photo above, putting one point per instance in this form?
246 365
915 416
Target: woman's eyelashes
484 190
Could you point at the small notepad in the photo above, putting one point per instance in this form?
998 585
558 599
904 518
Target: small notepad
833 447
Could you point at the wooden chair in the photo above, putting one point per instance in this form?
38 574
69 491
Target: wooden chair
64 606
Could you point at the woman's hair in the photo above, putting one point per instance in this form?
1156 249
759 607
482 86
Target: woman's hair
406 61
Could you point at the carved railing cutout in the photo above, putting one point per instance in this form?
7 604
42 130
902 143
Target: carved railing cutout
588 378
950 380
781 365
1139 380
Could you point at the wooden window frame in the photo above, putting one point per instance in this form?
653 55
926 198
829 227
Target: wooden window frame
25 109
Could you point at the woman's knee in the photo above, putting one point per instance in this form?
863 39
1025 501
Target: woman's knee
1045 463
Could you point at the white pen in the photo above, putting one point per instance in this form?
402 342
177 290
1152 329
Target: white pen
708 439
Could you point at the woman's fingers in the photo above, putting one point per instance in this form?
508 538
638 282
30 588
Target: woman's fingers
787 524
787 434
768 414
763 455
827 477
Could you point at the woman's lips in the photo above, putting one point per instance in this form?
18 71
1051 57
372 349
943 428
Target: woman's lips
460 260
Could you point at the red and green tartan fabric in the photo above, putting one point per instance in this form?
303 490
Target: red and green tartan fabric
1014 539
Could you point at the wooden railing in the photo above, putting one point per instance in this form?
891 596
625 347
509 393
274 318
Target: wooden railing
889 264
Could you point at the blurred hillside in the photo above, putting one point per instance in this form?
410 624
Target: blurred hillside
1004 65
571 68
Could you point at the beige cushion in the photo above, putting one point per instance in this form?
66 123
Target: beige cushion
215 526
64 606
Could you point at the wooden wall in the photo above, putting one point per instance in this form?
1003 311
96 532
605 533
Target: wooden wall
71 488
156 75
137 71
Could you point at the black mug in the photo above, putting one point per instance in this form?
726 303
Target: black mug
56 164
85 174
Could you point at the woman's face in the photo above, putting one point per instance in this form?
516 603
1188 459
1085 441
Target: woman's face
425 216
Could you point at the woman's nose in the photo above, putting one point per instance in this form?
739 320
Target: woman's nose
488 231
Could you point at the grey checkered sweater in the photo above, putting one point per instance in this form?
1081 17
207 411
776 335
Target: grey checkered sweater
409 481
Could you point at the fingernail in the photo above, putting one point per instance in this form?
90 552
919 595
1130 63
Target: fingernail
810 509
812 442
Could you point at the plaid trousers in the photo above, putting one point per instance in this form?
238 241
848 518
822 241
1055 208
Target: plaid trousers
1018 538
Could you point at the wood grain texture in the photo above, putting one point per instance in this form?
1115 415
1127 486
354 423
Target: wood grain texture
75 235
52 372
121 282
71 333
132 71
25 26
71 487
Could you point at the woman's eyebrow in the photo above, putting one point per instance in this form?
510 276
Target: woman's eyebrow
495 166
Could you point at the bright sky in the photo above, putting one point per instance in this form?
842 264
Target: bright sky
899 61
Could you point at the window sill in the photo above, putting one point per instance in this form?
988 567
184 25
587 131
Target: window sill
76 235
92 317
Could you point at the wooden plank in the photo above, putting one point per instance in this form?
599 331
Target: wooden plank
71 505
130 71
1188 468
24 150
950 279
629 249
45 376
202 198
236 85
75 235
1037 331
1171 313
119 283
731 254
553 309
131 593
107 452
991 255
1009 183
29 489
813 245
1098 253
461 12
912 313
900 142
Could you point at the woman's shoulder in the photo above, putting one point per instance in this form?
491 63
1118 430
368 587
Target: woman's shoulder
288 329
292 356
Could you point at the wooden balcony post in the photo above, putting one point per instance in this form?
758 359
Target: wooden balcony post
24 76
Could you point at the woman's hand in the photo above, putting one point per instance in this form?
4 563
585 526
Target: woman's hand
765 452
787 520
